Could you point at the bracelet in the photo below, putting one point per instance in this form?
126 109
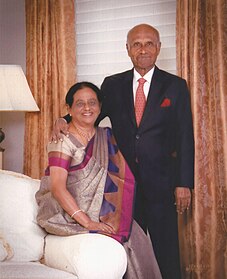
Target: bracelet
74 213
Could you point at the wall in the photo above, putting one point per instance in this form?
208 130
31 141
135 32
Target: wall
12 51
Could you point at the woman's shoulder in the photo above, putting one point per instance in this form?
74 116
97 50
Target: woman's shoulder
66 143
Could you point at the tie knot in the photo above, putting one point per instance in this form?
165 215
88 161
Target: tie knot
141 81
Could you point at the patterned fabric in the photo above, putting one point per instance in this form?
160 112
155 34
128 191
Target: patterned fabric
202 61
140 101
54 22
98 178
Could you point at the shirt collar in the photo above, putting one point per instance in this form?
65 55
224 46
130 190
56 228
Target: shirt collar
148 76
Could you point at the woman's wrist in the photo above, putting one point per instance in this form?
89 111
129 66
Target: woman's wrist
80 217
76 212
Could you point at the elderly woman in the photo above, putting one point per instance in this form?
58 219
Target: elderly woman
88 186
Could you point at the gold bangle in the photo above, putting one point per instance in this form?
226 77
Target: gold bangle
74 213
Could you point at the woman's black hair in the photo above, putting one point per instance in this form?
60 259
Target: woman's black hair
80 85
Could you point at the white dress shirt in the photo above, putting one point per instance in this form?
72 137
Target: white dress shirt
146 87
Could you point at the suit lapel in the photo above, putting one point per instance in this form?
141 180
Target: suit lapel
128 96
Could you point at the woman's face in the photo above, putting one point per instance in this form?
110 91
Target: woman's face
85 108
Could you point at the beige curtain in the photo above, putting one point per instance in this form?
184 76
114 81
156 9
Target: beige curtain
51 64
202 61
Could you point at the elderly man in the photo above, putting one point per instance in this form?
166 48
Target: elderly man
150 113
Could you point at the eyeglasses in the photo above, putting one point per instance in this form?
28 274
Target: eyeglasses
90 103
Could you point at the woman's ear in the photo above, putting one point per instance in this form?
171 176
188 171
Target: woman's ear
68 109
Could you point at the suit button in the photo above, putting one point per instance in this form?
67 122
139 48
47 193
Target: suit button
137 136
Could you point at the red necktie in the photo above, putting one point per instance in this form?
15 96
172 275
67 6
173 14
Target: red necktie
140 101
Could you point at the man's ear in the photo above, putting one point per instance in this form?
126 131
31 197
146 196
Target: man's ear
127 48
159 46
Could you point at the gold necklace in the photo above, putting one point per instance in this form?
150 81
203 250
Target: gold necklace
84 134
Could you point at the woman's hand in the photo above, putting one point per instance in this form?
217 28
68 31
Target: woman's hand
84 220
99 226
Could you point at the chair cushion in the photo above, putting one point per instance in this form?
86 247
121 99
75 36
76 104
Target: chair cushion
6 251
28 270
89 256
18 210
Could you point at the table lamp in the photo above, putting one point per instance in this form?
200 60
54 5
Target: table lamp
15 94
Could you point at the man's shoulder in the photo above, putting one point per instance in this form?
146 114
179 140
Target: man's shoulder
121 75
167 75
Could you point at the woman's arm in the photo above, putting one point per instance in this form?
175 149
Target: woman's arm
58 178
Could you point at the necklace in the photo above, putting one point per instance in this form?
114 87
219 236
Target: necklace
84 134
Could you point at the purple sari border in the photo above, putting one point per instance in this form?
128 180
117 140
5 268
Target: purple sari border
59 162
127 203
87 157
128 189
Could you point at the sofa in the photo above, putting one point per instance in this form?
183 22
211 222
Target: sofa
28 252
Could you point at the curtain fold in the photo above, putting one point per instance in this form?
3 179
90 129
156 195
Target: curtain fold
50 70
202 61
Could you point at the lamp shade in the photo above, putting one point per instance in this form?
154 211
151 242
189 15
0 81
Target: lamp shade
15 94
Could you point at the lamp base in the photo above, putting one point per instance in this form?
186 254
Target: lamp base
1 158
2 136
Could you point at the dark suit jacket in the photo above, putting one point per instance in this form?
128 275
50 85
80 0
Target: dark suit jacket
161 150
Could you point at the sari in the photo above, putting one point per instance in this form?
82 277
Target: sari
103 187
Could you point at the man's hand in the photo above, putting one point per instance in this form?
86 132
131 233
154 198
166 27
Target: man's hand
60 127
182 199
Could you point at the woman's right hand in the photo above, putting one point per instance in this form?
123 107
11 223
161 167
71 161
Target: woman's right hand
99 226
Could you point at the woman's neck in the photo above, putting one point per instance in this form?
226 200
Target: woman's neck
85 133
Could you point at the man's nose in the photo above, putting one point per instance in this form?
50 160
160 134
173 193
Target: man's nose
143 49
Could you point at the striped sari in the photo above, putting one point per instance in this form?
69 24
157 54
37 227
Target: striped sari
103 186
98 178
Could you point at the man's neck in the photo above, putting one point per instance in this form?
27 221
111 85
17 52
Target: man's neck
143 72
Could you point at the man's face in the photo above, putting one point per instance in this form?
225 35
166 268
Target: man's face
143 48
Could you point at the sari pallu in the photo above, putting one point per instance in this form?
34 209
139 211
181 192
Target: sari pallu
98 178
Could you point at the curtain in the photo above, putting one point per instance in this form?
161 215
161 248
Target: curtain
50 69
202 61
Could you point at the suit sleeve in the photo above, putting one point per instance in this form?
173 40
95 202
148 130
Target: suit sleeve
185 139
104 108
